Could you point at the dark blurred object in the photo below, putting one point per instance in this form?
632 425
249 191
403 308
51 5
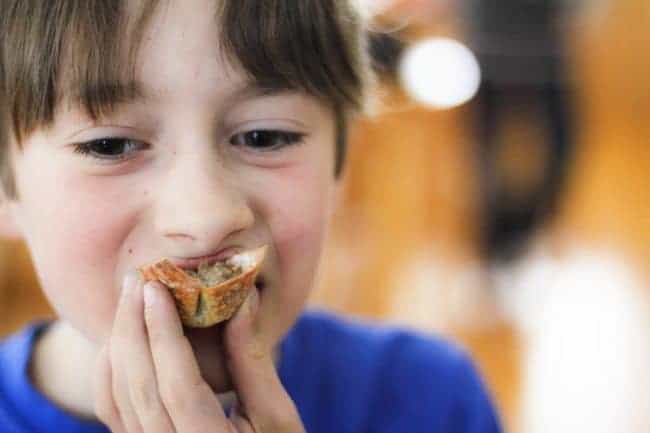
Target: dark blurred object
526 145
385 51
523 117
517 41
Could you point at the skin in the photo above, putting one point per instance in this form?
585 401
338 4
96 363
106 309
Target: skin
192 181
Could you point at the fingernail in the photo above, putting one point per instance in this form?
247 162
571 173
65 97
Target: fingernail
150 295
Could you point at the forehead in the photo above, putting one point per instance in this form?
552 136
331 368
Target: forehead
180 53
178 34
169 51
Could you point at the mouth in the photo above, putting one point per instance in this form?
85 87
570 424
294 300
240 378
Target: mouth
192 264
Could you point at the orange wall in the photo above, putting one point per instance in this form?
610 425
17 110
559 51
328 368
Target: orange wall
20 297
608 200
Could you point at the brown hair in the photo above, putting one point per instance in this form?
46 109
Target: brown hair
317 46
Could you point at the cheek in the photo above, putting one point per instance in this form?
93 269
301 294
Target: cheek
75 233
298 205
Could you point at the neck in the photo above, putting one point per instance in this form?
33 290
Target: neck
61 369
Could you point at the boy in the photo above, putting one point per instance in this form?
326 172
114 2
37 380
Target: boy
194 130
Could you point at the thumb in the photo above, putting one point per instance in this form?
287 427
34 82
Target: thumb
250 361
246 350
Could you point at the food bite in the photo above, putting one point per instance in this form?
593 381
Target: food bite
212 293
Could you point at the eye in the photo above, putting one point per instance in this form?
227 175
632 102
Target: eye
266 139
111 149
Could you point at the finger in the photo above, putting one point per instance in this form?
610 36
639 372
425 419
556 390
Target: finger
190 402
264 400
138 364
119 345
104 405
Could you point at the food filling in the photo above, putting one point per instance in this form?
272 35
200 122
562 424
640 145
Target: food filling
217 273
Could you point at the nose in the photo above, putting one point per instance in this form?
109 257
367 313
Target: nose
199 207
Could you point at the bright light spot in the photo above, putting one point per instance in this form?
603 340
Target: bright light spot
440 72
585 322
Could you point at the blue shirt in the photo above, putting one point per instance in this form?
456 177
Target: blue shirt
344 377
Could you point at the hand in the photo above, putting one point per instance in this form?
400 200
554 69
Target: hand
147 379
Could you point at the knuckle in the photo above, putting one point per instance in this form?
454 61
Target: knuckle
174 396
144 396
179 396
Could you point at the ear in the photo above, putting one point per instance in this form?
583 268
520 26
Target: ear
9 227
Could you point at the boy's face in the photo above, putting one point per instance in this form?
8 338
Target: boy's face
187 171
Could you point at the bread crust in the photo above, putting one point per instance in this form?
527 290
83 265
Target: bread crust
202 306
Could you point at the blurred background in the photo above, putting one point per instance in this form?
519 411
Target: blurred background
498 196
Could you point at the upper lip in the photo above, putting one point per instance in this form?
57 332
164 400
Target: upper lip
210 258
